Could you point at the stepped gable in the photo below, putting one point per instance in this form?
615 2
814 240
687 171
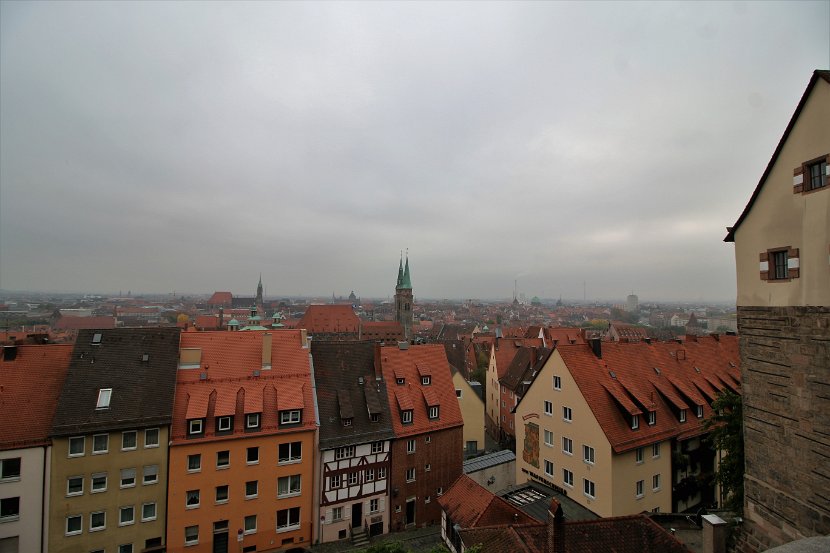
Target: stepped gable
31 379
230 376
686 373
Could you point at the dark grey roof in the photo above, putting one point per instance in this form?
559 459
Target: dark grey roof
534 499
344 376
489 460
138 364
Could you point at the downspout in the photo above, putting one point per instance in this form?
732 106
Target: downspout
315 521
44 499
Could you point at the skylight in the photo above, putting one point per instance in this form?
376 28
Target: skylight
96 338
104 395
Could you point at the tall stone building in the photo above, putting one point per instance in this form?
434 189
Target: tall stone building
781 241
403 299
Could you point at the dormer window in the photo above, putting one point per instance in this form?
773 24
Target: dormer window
104 395
96 339
252 421
682 415
635 422
347 422
290 417
652 418
224 424
406 416
433 412
195 426
374 417
400 381
700 411
426 380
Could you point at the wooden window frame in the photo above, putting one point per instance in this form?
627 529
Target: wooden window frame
768 257
801 176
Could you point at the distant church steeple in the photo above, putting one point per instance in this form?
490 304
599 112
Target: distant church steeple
259 302
403 298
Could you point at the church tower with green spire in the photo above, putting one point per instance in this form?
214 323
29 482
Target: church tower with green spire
403 298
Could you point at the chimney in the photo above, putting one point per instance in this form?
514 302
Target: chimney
304 338
266 350
221 318
378 370
714 534
555 526
596 347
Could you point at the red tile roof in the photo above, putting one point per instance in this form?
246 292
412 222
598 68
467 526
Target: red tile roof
636 386
396 361
329 319
506 349
30 386
221 298
231 362
469 504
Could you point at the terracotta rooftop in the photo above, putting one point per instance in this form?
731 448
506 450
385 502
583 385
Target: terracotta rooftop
469 504
506 349
31 378
635 378
226 373
397 363
329 319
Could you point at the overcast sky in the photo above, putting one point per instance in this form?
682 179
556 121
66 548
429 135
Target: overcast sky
192 146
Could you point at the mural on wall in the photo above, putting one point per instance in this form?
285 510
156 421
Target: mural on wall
531 450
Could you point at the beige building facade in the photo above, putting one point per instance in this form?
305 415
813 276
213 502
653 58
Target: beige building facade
472 409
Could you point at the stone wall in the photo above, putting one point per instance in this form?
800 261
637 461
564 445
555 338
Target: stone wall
785 361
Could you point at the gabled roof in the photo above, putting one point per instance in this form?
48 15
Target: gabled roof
505 350
817 74
221 298
30 385
339 368
523 368
636 386
469 504
329 319
230 375
142 391
411 395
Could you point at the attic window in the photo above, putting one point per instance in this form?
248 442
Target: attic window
399 381
347 422
104 395
145 358
426 380
652 418
635 422
374 417
96 339
700 411
406 416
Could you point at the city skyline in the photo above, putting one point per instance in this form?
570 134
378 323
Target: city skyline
189 147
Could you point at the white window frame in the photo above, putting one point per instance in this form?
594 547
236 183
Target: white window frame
374 505
635 422
410 475
639 488
410 446
568 477
152 471
144 507
352 478
192 539
197 457
433 412
147 433
121 511
252 421
567 414
75 439
567 445
290 417
588 454
548 438
75 478
226 489
406 416
127 472
77 518
381 473
426 381
256 489
548 406
335 481
337 513
655 482
557 382
549 468
192 494
652 418
292 484
589 488
638 455
378 447
224 424
104 398
97 475
100 527
700 411
223 466
248 529
682 415
195 426
369 475
124 435
291 524
655 450
100 451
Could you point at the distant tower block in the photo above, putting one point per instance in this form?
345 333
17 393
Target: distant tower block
632 303
403 298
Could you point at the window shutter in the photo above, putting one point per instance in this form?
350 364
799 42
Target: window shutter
382 505
329 515
793 263
798 179
764 265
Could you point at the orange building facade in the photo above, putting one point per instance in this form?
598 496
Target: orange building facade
242 444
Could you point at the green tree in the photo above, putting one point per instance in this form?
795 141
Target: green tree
726 434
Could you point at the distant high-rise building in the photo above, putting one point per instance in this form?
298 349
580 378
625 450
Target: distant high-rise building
632 303
403 299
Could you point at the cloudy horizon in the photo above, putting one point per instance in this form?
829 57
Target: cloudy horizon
192 146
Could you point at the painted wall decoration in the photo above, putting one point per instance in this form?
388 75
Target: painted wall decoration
531 449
